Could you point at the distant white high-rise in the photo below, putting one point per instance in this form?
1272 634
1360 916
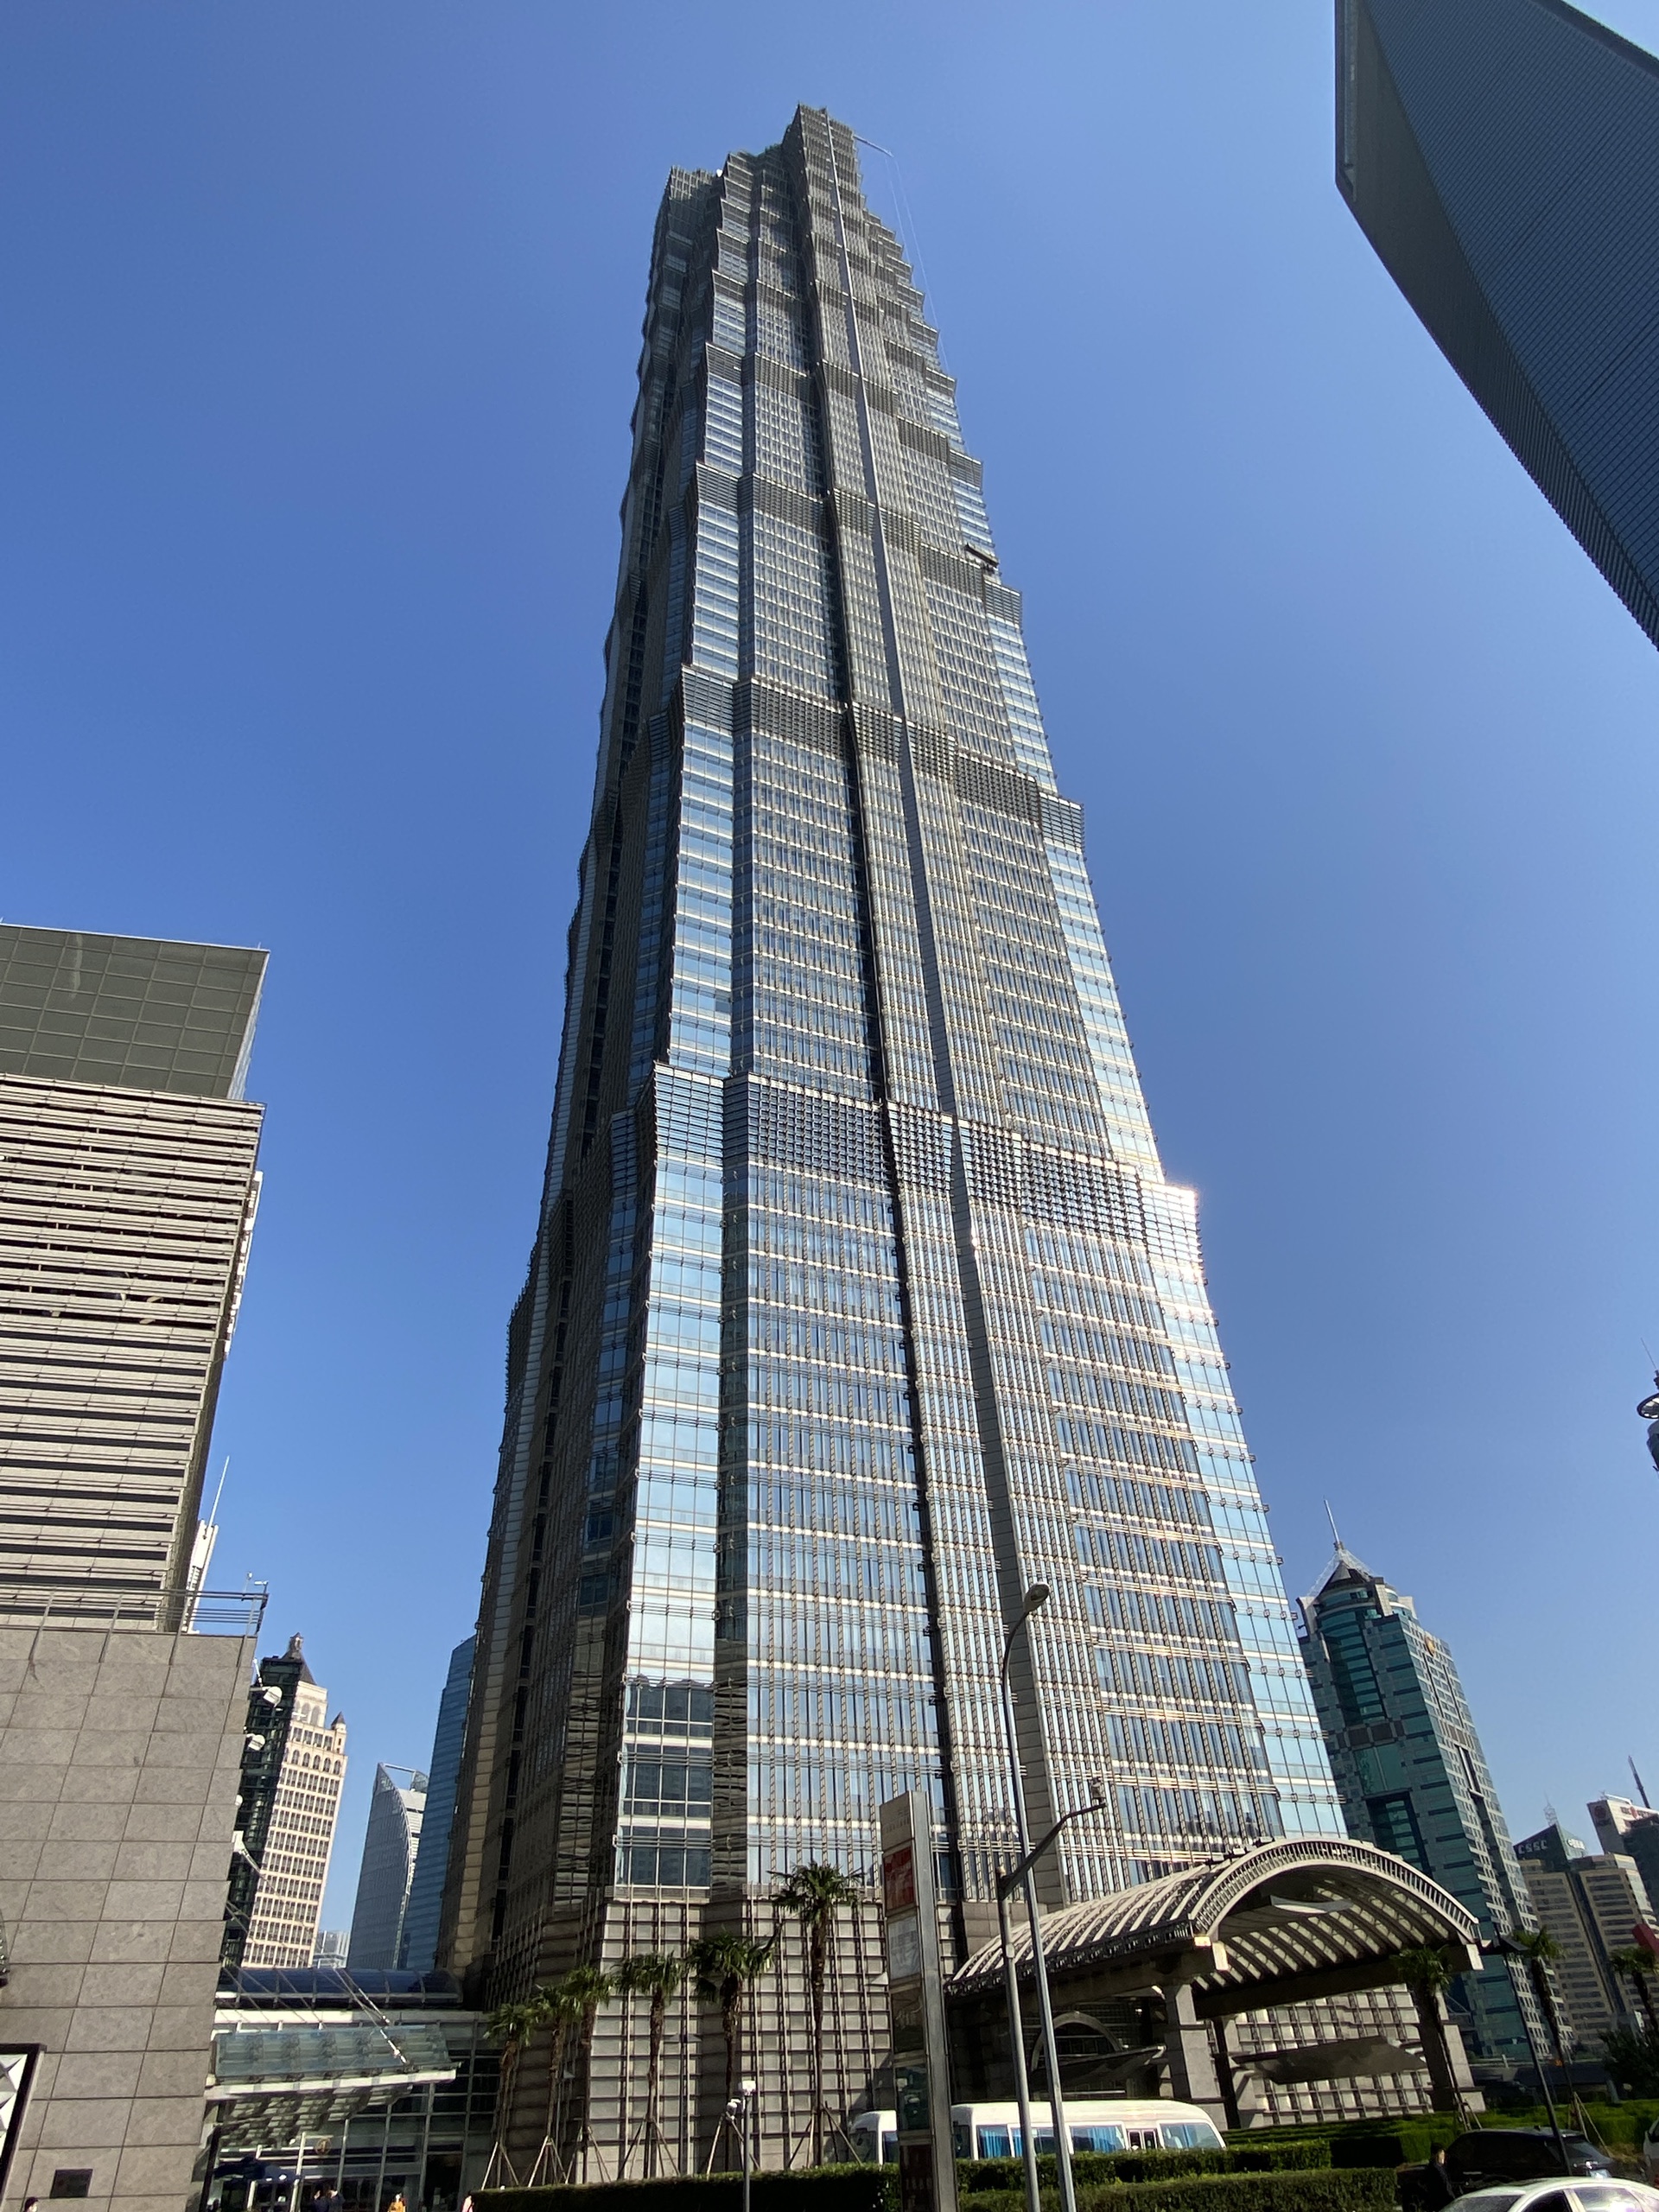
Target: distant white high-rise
394 1832
331 1948
294 1864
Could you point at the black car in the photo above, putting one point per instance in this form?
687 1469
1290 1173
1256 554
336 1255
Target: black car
1488 2156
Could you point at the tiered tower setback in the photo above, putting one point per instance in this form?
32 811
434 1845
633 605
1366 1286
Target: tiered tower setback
859 1300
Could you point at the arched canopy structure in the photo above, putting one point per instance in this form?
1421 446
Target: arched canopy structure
1279 1924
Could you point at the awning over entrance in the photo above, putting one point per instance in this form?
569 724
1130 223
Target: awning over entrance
277 2084
1276 1925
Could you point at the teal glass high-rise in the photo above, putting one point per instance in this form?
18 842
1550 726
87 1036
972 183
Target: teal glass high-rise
1414 1780
858 1302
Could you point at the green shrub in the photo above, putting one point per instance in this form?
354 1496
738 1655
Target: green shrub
1102 2166
1330 2190
1378 2142
1351 2190
820 2188
1308 2156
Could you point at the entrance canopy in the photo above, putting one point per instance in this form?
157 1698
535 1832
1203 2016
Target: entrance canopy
1279 1924
275 2085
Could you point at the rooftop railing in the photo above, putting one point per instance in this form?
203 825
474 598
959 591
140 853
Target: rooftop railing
27 1604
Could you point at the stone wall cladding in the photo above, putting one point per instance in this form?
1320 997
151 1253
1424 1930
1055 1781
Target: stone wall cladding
120 1753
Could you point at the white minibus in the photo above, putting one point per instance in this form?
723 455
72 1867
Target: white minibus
1094 2123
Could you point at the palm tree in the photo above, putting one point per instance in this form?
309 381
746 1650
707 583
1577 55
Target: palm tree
722 1966
588 1988
815 1893
554 2013
511 2026
1638 1966
1540 1950
656 1975
1425 1974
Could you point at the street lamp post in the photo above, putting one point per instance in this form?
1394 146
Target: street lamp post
1036 1596
1510 1951
738 2113
1017 2030
1007 1885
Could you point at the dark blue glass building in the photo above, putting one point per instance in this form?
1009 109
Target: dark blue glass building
421 1916
1502 157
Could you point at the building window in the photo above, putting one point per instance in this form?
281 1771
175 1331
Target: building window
1393 1823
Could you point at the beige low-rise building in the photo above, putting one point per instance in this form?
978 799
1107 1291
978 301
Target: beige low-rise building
119 1754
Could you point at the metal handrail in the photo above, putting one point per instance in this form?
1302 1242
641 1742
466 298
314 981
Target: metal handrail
27 1604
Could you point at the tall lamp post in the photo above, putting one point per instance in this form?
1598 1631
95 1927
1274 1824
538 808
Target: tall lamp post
1036 1597
1006 1886
738 2111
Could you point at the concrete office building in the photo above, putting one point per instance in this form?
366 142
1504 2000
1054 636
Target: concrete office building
1503 158
389 1844
419 1949
127 1191
858 1302
1414 1781
128 1188
119 1762
1632 1832
1592 1906
293 1771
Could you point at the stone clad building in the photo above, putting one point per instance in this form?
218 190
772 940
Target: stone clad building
128 1185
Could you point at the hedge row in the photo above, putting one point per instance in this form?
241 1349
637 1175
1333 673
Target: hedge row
1351 2190
874 2189
818 2189
981 2174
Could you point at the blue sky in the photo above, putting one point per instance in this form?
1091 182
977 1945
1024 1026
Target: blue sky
315 369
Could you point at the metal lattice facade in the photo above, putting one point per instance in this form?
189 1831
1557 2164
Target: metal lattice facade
859 1300
125 1222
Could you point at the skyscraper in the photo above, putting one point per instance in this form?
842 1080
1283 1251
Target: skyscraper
1624 1827
1414 1780
418 1949
1503 158
1592 1906
859 1302
389 1844
127 1196
293 1771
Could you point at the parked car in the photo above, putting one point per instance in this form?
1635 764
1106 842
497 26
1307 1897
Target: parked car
1492 2157
1574 2193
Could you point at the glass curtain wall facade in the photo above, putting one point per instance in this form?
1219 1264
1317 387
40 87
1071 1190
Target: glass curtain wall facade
860 1301
1414 1781
1503 158
418 1950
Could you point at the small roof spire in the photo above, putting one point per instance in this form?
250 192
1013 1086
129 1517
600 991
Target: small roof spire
296 1650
